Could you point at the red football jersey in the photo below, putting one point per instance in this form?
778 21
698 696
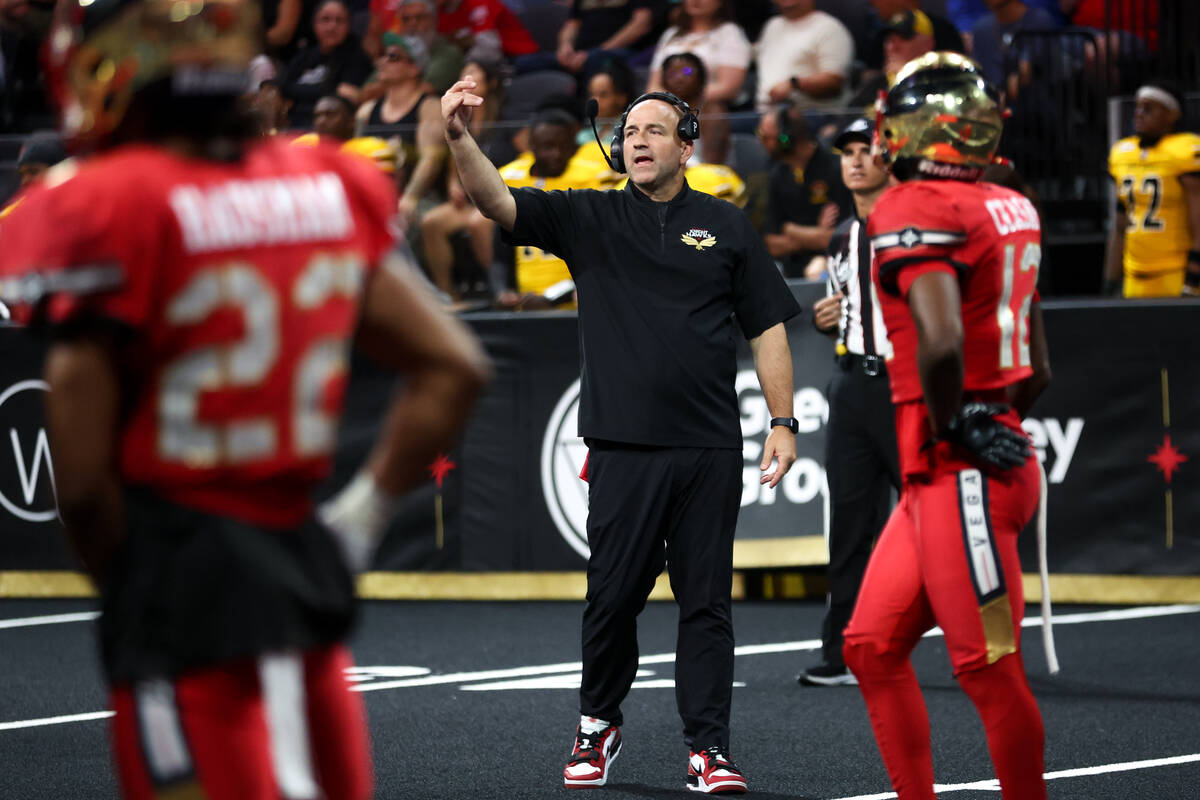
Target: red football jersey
989 237
240 284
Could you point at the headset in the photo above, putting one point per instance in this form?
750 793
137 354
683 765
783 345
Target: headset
688 127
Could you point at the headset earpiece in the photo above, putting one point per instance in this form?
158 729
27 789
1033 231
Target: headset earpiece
688 127
786 138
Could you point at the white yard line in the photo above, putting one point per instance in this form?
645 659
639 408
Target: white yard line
37 723
992 785
52 619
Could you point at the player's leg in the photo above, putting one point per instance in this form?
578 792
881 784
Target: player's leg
337 719
707 496
204 732
968 527
890 616
437 226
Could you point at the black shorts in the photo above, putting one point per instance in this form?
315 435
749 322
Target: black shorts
186 589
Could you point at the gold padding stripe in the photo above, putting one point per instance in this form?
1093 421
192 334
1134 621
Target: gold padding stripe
1114 589
784 551
996 616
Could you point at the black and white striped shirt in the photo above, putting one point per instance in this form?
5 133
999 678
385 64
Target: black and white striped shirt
849 271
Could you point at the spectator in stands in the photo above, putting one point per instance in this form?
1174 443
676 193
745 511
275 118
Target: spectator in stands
612 85
272 107
597 30
945 35
992 35
458 215
40 152
486 23
806 196
336 63
23 96
333 118
409 116
685 77
706 28
966 13
287 27
1155 240
803 57
416 18
906 35
542 279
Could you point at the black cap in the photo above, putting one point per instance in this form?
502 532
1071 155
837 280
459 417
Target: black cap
860 130
909 23
42 148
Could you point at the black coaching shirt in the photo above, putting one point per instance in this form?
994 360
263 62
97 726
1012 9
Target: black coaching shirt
658 286
799 195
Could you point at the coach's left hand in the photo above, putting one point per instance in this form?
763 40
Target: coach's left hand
780 447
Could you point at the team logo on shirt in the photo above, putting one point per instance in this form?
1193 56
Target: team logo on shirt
910 237
698 238
818 193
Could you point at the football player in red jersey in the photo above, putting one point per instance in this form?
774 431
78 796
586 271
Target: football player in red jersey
201 288
955 267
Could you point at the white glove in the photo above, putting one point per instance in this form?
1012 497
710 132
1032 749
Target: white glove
357 516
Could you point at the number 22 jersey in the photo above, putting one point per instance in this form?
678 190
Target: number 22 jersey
989 238
237 287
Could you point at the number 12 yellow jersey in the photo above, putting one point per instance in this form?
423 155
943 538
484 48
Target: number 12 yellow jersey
1157 238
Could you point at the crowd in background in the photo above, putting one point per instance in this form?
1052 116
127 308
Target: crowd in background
772 82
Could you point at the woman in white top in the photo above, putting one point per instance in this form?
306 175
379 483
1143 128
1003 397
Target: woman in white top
706 28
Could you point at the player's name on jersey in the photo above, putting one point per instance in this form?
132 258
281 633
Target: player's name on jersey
283 210
1012 214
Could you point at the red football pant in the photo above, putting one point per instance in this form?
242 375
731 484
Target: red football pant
281 726
948 557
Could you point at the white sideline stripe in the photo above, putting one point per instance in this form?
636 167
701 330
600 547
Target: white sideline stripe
992 784
52 619
660 658
35 723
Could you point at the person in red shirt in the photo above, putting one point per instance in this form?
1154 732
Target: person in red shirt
955 270
471 23
199 288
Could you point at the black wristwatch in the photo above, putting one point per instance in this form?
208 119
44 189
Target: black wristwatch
787 422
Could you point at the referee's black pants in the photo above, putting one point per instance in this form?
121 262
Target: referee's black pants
647 505
861 465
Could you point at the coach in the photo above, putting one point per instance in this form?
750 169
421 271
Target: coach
660 273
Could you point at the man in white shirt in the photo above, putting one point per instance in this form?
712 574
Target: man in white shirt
803 56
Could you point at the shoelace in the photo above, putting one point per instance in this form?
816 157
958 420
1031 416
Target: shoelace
717 757
585 747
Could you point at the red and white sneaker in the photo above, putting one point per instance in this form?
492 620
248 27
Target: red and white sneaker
593 755
712 771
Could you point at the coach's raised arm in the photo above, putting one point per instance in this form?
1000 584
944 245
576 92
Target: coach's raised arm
479 177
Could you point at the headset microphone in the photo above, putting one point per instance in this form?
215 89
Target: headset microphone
593 108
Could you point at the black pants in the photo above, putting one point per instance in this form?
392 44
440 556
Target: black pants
647 505
861 465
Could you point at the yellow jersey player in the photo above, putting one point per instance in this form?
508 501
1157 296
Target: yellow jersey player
1156 234
553 162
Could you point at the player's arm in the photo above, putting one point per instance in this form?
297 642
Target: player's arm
936 304
479 177
1114 255
773 363
83 422
1027 391
403 326
1191 193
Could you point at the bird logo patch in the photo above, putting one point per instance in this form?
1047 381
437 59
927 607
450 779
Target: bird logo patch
699 239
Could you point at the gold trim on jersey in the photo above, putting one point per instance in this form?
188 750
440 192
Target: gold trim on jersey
997 619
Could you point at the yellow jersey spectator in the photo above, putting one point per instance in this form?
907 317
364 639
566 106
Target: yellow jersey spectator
1155 241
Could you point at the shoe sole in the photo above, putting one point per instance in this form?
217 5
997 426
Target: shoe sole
696 784
840 680
573 783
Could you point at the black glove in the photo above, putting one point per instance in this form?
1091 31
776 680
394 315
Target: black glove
975 428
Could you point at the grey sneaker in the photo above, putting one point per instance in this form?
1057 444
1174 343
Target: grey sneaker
827 675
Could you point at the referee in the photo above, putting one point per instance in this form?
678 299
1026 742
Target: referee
661 272
861 461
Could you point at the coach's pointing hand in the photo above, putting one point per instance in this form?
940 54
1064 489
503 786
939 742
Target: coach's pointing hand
457 105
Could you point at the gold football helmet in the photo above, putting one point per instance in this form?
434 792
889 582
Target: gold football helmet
941 119
100 53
